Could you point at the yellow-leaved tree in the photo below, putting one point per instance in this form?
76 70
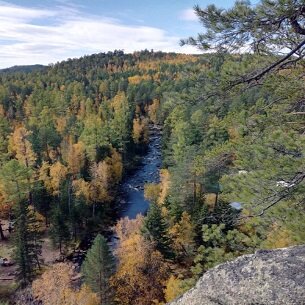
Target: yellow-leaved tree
140 131
97 189
164 185
21 147
104 175
142 270
52 176
153 110
116 166
54 287
152 192
183 236
76 158
173 288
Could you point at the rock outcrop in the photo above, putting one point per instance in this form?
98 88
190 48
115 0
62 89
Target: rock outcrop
265 278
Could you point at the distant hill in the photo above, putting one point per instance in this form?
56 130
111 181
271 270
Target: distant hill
24 69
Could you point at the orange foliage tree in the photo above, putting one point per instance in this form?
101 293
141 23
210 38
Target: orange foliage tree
142 270
140 131
54 287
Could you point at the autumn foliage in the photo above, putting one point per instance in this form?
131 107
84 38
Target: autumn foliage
55 287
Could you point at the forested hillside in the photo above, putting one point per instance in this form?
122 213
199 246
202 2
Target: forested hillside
69 133
232 177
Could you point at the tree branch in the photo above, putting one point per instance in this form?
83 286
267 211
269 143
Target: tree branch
269 68
296 26
295 181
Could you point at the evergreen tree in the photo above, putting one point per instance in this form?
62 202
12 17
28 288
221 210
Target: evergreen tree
14 178
267 28
60 233
97 269
155 229
27 242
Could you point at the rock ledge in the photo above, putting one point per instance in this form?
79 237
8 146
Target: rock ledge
267 277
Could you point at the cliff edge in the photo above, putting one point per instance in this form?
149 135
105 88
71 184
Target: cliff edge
266 277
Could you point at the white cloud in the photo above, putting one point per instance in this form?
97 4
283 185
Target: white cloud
188 15
34 35
13 12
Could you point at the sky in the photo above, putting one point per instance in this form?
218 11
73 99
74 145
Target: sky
45 31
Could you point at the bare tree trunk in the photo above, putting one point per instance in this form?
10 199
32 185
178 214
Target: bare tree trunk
37 262
69 197
194 191
1 232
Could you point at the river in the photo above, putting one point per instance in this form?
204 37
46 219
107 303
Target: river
131 194
132 187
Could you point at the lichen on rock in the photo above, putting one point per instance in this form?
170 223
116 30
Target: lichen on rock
267 277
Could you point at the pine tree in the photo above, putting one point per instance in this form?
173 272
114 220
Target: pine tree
60 233
28 243
97 269
155 229
249 25
14 178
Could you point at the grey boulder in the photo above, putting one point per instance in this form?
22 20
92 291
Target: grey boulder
267 277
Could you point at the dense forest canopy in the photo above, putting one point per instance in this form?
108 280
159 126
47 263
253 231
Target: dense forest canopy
232 178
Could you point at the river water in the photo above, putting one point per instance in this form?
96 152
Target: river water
131 194
132 188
